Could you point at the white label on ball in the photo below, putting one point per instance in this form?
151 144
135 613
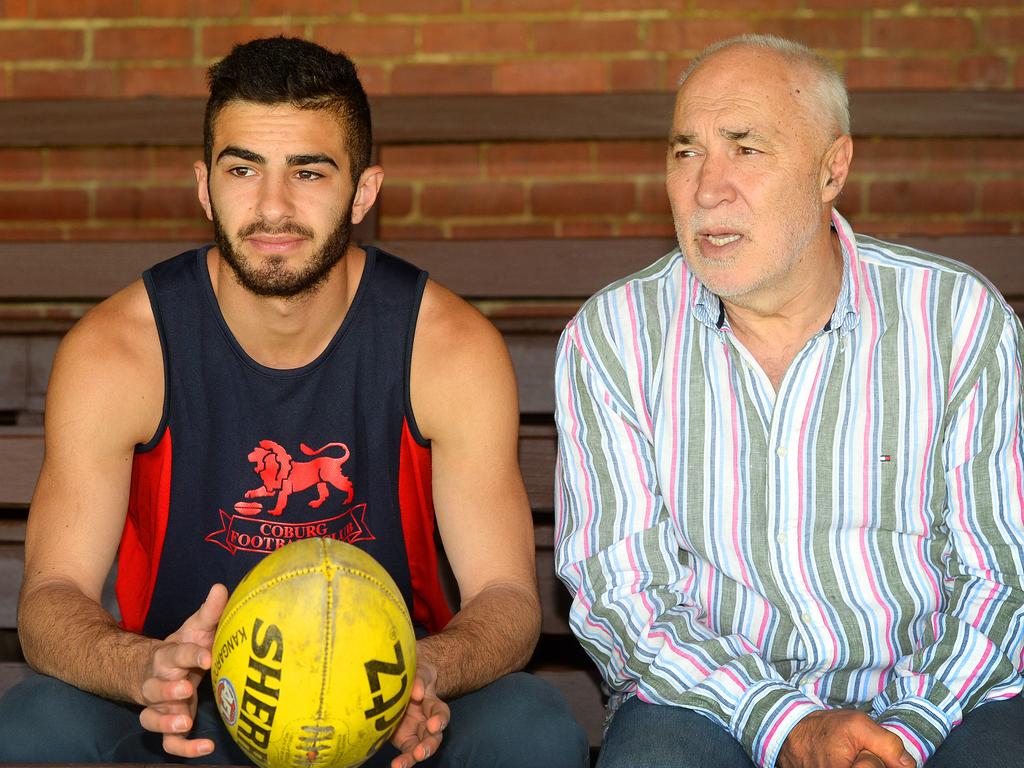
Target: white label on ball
227 701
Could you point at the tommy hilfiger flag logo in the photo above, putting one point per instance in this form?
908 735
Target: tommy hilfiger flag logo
884 457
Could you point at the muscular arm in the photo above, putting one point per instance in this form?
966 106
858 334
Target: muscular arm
464 400
99 404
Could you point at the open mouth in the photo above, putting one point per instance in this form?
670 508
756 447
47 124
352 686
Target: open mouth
720 240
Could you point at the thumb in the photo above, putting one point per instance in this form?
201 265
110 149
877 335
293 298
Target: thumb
888 747
209 613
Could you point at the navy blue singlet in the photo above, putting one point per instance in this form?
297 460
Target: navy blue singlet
248 458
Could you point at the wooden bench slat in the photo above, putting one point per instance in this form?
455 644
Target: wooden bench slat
177 121
477 269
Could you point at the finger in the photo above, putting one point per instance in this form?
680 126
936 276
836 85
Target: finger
174 661
209 613
887 747
169 723
868 759
436 714
183 747
155 690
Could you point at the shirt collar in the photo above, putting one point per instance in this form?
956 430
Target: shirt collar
709 309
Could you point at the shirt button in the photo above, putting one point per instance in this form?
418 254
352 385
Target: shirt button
781 451
805 618
781 538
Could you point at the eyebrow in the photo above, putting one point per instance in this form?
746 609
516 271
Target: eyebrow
293 160
725 133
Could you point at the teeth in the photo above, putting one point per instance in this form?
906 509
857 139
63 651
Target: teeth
722 240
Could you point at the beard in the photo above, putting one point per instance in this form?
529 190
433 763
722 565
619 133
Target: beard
274 279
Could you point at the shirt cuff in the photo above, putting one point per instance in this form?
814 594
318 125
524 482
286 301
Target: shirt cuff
919 723
768 712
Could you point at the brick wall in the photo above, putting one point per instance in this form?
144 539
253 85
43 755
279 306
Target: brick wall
132 48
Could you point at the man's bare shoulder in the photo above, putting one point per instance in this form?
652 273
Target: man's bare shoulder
111 362
459 357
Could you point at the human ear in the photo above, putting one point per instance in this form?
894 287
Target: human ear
366 192
835 167
203 186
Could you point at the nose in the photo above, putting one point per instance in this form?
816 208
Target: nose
714 181
274 204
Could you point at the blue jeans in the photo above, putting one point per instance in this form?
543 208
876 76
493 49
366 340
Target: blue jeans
654 736
518 720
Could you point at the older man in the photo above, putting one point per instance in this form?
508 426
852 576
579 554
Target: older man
790 484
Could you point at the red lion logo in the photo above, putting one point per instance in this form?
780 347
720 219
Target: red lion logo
282 476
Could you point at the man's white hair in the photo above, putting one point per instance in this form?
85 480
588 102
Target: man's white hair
831 94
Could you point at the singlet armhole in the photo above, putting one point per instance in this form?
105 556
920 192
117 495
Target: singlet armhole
161 427
410 417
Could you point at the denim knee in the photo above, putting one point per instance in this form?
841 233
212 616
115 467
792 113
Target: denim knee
518 720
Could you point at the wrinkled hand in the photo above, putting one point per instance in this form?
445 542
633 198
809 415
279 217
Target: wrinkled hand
177 665
842 738
419 733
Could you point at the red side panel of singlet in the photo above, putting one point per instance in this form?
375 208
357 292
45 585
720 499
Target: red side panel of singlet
429 606
143 539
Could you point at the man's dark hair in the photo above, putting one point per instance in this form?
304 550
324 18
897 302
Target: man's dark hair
287 70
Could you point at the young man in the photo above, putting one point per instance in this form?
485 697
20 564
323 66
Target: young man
180 413
790 507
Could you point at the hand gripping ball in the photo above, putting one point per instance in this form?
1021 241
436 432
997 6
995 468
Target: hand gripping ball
314 656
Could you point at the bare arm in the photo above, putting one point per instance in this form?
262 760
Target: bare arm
105 396
464 398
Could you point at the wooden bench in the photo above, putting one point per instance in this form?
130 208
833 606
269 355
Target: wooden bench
529 288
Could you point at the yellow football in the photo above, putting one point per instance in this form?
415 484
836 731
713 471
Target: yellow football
314 657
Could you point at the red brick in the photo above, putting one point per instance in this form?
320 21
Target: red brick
591 228
14 9
634 5
374 78
654 199
829 34
569 198
983 72
306 8
921 33
631 157
578 36
83 9
396 200
886 155
648 228
1003 30
21 165
418 7
897 228
674 69
922 196
65 83
563 76
431 161
189 9
217 41
745 5
163 81
369 40
896 73
43 204
442 78
961 4
1018 73
851 199
390 231
475 37
155 203
1003 155
539 159
635 75
42 231
108 163
174 163
103 230
1003 196
685 35
22 44
521 6
852 5
510 231
143 43
482 199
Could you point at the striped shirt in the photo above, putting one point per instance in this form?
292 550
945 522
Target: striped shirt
855 539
